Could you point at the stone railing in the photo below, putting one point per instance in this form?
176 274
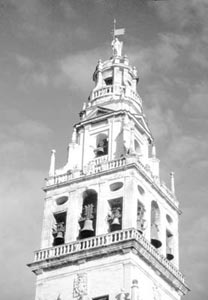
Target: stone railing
95 166
108 90
116 90
101 164
105 240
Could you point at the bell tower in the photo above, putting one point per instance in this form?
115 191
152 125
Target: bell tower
110 225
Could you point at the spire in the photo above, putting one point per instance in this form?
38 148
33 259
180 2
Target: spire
74 136
52 163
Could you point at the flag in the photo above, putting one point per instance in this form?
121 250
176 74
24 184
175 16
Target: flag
119 31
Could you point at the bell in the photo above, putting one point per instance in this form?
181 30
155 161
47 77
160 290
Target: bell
59 238
169 254
115 225
141 226
155 237
87 230
99 151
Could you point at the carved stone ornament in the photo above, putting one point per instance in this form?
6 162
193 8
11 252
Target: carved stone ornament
80 286
156 292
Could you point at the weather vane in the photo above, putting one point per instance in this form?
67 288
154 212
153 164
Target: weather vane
116 44
118 31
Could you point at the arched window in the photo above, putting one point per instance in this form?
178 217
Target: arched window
169 245
59 228
141 222
88 216
169 239
101 144
155 225
115 216
137 147
108 81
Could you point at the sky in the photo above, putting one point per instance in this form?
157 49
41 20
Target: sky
48 52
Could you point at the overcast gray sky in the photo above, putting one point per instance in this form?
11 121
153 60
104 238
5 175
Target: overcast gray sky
48 51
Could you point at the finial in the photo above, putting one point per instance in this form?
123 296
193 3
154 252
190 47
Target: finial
84 106
74 136
153 151
172 182
135 71
52 163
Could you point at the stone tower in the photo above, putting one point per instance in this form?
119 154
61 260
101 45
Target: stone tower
110 227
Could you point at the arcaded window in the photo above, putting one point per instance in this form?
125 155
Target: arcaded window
59 228
137 147
115 215
108 81
101 144
169 245
87 220
169 239
141 222
155 225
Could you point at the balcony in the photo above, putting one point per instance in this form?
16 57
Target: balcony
111 242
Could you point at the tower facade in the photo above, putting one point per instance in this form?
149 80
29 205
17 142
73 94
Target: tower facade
110 226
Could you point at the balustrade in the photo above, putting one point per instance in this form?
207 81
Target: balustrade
104 240
116 90
102 164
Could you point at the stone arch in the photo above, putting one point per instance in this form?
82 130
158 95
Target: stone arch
89 214
155 225
101 144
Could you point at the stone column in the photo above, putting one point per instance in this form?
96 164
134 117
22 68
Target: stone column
135 290
52 163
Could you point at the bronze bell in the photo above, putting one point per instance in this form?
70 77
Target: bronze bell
59 238
87 230
99 151
169 254
115 225
155 241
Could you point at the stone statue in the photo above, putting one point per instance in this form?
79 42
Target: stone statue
117 47
80 286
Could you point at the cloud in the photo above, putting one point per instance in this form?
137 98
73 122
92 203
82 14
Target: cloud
197 105
22 204
76 70
30 129
160 58
21 143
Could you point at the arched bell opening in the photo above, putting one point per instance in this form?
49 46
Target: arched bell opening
141 222
115 215
87 220
169 245
101 145
59 228
137 147
108 81
155 225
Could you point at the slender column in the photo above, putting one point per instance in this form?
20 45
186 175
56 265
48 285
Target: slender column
153 151
172 182
135 290
52 163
